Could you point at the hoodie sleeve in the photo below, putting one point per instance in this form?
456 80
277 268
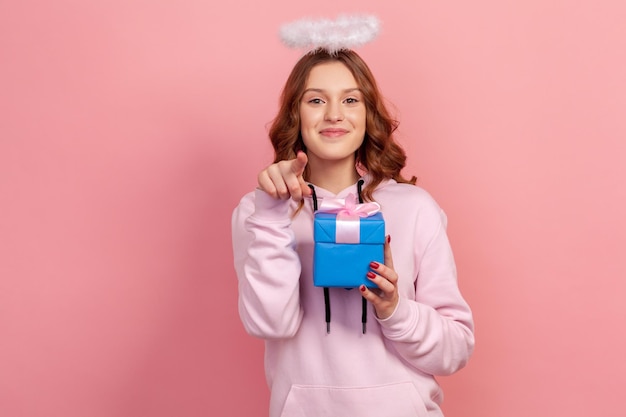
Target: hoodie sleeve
267 266
432 329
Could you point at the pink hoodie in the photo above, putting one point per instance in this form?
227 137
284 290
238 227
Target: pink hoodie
388 371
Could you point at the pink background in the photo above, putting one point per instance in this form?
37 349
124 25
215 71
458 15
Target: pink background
129 131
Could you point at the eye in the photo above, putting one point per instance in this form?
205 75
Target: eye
316 101
351 100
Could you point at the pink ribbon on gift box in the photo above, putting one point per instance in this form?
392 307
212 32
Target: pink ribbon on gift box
349 213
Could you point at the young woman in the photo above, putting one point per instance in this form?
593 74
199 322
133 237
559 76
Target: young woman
333 137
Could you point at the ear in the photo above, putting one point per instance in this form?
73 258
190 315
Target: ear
360 168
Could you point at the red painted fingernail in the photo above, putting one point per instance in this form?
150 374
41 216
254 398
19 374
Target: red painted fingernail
371 275
374 265
362 288
388 238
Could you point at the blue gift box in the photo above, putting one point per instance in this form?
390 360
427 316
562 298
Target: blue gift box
345 265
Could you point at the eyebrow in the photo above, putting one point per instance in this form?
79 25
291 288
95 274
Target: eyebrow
321 90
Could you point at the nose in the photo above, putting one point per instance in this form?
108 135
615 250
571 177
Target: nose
334 113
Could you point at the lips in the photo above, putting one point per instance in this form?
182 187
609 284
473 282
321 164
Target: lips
333 132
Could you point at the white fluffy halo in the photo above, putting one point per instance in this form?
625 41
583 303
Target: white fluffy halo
345 32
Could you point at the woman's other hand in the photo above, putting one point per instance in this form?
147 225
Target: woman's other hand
385 298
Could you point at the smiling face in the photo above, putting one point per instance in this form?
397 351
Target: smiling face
332 115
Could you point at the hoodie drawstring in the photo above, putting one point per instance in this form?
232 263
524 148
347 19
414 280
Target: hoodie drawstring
359 186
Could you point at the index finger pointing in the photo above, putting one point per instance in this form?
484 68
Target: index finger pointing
299 163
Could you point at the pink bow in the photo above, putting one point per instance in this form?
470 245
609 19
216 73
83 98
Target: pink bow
348 228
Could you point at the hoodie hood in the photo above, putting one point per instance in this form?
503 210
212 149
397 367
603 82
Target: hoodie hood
352 189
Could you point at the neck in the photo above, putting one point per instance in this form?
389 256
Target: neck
333 176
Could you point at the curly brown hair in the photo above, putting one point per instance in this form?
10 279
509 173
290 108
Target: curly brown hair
379 154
